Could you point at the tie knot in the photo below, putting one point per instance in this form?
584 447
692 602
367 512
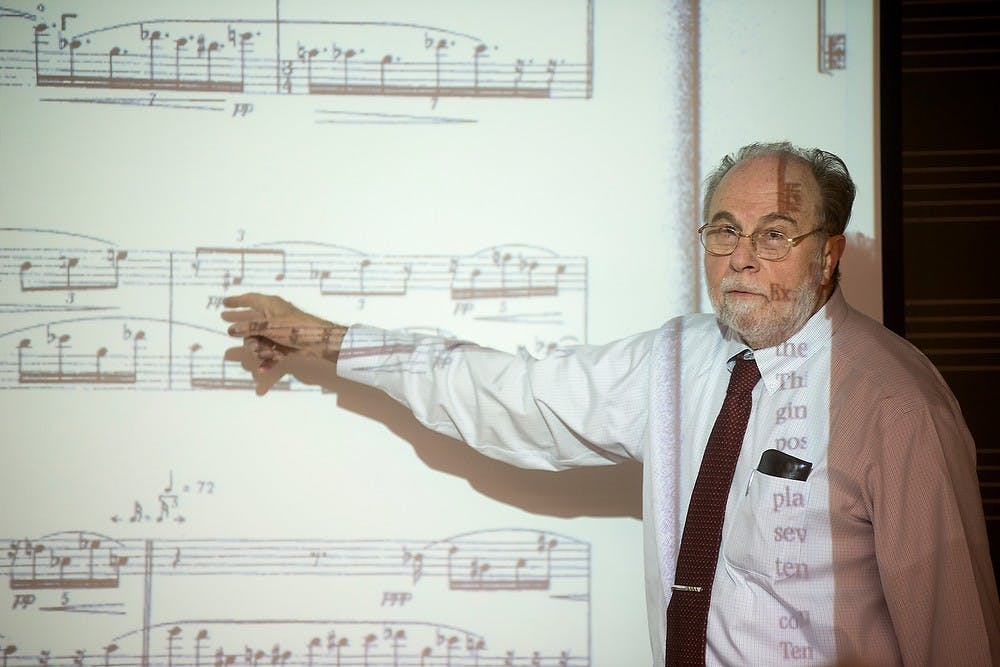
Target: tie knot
745 376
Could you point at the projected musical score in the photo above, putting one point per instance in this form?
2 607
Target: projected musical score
84 312
150 602
416 49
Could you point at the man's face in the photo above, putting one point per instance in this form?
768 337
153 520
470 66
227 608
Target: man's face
768 301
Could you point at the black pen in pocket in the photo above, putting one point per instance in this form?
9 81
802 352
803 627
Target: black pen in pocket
779 464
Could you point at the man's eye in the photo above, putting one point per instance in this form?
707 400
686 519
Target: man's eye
772 235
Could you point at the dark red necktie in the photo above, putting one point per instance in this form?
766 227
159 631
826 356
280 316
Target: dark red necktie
687 613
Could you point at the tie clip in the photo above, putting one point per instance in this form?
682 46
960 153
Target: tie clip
689 589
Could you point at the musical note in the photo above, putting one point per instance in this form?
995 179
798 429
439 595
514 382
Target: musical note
223 660
367 643
212 260
179 43
108 650
220 373
477 53
198 640
385 279
77 556
418 567
313 644
60 375
491 281
172 634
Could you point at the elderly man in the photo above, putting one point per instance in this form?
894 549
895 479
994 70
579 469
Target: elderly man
810 493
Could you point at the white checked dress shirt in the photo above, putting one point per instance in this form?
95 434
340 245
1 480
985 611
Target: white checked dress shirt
881 555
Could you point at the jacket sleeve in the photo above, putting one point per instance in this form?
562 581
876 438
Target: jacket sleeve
579 406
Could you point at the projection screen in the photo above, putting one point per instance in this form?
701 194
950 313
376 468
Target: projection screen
519 173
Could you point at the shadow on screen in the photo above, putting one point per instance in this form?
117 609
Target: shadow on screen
605 491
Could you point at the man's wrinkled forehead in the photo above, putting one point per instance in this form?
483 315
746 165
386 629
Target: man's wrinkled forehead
777 186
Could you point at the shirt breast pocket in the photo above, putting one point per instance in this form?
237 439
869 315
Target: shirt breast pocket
767 531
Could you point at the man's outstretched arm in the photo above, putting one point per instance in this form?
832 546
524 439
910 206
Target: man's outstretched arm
580 406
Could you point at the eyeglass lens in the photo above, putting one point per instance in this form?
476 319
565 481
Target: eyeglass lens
769 244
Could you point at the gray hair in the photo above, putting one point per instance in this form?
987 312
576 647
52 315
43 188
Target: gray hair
835 185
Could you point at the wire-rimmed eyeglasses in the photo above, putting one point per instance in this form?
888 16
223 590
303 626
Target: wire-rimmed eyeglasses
770 244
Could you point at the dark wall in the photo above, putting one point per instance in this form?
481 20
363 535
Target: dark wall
942 198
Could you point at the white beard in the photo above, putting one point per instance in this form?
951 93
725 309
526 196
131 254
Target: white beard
763 326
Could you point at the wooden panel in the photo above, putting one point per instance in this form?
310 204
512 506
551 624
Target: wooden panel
950 76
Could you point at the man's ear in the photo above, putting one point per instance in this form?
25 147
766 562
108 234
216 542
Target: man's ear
833 250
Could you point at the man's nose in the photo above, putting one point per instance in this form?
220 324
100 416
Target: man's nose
744 256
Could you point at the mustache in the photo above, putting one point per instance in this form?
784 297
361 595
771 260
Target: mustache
731 284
